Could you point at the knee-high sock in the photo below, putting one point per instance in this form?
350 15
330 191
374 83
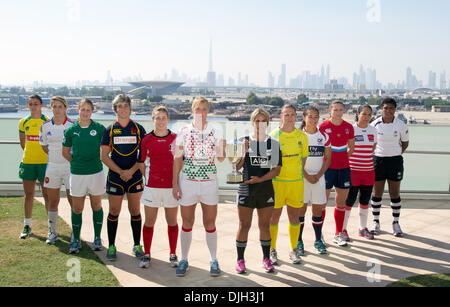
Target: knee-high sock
97 217
136 224
211 241
265 245
375 203
77 221
240 248
317 223
273 235
348 210
363 215
172 232
53 220
339 216
185 242
147 234
302 226
294 231
111 225
396 205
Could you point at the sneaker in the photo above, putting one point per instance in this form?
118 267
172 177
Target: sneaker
339 240
294 255
301 248
273 256
320 247
97 244
111 253
345 235
215 270
365 233
51 239
396 230
240 266
375 229
267 265
138 251
173 260
145 261
75 246
183 267
26 232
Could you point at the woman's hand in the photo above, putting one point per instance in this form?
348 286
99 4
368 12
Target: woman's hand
253 180
176 192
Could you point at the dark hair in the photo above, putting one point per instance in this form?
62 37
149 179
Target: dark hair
87 101
337 102
305 113
35 97
388 100
361 107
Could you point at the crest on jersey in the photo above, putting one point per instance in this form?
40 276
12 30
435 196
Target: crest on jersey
93 133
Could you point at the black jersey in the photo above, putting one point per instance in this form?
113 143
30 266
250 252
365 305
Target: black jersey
259 160
124 143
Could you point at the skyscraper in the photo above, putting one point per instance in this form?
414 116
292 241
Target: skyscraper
270 80
443 80
282 77
431 79
211 75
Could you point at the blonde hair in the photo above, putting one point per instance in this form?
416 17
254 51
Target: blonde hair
198 101
58 98
120 98
159 109
259 111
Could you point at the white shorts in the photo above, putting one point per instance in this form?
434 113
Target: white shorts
81 185
56 175
193 192
315 193
157 197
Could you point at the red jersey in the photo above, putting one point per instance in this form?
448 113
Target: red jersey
339 136
160 152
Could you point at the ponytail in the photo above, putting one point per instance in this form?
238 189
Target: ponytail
305 113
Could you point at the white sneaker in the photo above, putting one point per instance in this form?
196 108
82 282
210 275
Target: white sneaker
375 229
340 240
273 256
294 255
396 230
52 237
145 262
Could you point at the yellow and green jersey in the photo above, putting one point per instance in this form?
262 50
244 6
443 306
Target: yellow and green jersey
33 152
294 147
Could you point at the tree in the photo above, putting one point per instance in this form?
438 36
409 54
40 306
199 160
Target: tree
253 99
302 98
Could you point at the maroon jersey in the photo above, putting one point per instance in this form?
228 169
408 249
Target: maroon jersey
160 151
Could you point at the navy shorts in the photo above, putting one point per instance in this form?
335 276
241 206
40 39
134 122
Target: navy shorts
339 178
116 186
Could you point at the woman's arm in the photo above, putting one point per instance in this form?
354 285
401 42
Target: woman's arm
177 165
22 140
66 153
269 176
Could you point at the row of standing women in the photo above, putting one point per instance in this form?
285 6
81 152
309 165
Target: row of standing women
182 173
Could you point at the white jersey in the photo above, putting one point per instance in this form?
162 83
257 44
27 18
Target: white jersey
199 152
362 157
389 137
317 143
52 135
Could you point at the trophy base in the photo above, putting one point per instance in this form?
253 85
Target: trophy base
235 178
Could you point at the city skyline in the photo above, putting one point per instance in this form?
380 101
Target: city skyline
62 42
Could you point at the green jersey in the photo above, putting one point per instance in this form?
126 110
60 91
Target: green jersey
85 143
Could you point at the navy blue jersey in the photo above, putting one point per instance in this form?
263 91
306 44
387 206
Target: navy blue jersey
124 143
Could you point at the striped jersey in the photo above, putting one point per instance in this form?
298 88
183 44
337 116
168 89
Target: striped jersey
339 137
362 157
33 152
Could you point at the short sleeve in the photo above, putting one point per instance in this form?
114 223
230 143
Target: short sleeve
105 137
327 140
352 132
305 146
21 126
276 160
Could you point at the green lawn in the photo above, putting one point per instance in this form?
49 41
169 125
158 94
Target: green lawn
33 263
431 280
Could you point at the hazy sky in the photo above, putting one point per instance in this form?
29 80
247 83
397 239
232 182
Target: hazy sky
63 41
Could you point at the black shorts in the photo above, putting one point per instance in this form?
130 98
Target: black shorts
116 186
339 178
390 168
258 198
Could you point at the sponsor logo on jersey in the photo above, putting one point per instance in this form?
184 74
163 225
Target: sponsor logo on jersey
117 131
371 137
125 140
259 161
359 138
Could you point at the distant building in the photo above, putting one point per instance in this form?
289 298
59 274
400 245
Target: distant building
156 87
440 109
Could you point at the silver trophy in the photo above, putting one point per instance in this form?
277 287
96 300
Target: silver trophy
235 152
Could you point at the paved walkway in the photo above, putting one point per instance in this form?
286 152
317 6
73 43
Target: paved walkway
424 249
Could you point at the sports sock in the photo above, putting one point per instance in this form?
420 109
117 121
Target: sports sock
348 210
211 241
324 212
77 221
396 205
185 242
302 225
273 235
363 211
136 224
111 225
172 232
375 203
294 231
265 245
27 221
317 224
53 220
97 217
240 247
147 234
339 216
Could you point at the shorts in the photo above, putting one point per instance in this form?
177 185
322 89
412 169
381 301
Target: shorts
288 193
363 178
315 193
259 198
339 178
81 185
390 168
193 192
32 171
116 186
56 175
158 197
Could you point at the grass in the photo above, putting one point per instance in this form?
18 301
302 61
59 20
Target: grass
430 280
33 263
